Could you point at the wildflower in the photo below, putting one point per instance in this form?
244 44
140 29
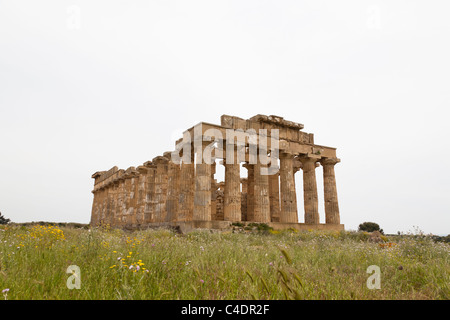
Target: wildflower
202 281
5 293
271 264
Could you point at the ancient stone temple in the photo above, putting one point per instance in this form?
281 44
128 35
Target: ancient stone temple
179 188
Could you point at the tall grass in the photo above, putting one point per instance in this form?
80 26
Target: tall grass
160 264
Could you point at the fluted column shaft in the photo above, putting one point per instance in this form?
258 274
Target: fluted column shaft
122 201
330 191
250 191
261 200
214 188
287 186
310 190
160 188
186 194
141 194
232 194
128 198
173 186
274 197
133 198
150 203
202 195
118 212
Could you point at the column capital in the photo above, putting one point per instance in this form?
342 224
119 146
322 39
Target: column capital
329 161
308 158
285 154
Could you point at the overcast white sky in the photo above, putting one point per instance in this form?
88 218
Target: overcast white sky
87 85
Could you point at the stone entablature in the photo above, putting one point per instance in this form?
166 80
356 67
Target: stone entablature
179 186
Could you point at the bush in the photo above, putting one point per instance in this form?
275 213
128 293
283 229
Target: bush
3 220
370 227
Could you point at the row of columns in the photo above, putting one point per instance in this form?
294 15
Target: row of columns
162 191
264 191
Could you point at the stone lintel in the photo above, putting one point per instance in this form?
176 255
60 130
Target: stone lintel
277 120
160 160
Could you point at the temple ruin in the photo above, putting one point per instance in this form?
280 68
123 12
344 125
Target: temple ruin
179 188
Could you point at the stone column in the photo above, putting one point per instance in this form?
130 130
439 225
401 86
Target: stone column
133 197
101 207
94 208
186 194
250 191
120 200
214 188
274 196
202 195
232 195
330 191
173 186
261 200
310 190
244 199
116 210
287 186
128 198
123 200
160 188
141 194
110 206
150 203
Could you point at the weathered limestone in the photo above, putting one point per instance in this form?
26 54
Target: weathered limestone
150 202
287 189
310 197
182 190
250 191
330 191
141 194
274 196
160 188
261 202
186 196
173 189
232 195
244 199
202 196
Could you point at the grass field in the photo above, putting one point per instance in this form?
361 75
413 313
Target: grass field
160 264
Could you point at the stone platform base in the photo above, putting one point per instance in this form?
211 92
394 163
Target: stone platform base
187 226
